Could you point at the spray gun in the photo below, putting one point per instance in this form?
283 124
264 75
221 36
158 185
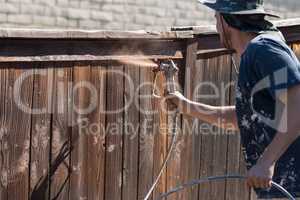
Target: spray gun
169 69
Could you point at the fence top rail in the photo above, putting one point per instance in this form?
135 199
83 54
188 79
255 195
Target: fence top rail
91 34
175 33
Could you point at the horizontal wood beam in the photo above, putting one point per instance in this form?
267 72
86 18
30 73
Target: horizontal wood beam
211 53
26 50
67 58
91 34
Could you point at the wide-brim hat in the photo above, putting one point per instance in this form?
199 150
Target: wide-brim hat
238 7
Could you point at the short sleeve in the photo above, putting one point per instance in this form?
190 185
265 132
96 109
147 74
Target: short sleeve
277 67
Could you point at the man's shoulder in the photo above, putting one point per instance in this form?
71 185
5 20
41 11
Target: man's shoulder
266 44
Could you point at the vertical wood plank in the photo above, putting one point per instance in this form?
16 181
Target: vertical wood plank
61 132
191 143
40 135
96 136
174 165
19 130
207 145
114 125
131 134
79 176
4 123
222 78
160 138
146 140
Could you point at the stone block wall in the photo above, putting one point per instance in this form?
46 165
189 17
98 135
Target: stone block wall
116 14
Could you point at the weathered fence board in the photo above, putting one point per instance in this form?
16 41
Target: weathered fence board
4 120
61 133
160 141
79 138
41 131
113 159
175 166
222 79
191 153
131 135
146 139
19 128
96 137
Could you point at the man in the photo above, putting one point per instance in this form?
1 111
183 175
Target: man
267 96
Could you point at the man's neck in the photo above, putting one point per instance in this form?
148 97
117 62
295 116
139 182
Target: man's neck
241 41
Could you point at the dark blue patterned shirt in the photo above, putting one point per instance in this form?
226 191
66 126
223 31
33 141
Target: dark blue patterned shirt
268 67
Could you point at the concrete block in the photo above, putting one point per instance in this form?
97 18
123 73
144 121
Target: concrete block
32 9
44 20
9 8
100 15
19 19
73 13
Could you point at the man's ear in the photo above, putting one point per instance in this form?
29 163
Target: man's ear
227 28
224 23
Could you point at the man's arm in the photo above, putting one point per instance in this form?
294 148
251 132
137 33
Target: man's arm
261 174
221 116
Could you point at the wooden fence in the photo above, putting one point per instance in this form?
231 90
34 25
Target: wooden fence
55 144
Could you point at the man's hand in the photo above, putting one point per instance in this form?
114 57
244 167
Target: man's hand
260 175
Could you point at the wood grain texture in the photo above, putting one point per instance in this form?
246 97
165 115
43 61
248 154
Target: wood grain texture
191 149
41 132
131 134
79 139
91 34
96 135
221 80
61 132
19 129
174 165
4 124
114 136
146 140
160 138
207 142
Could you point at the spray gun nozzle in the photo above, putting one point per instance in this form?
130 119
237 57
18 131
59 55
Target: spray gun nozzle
166 66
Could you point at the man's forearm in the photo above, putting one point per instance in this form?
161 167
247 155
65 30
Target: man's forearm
282 140
222 116
277 147
289 127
